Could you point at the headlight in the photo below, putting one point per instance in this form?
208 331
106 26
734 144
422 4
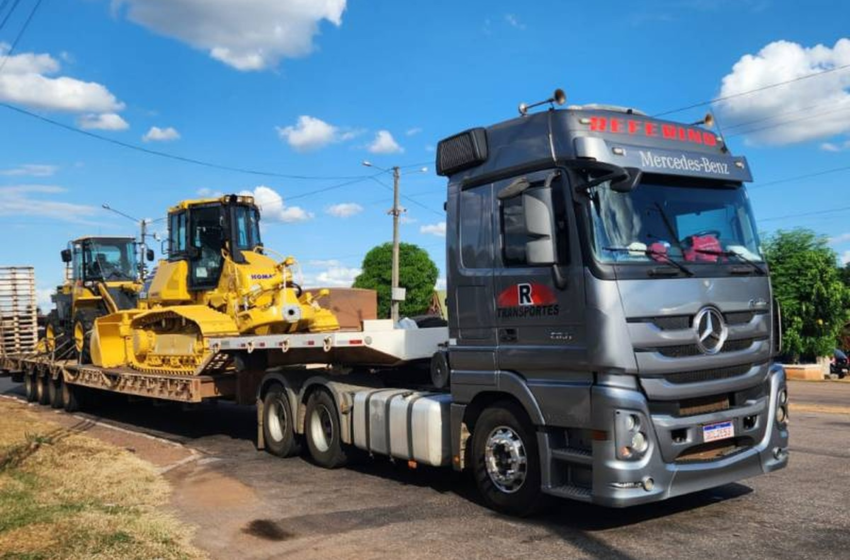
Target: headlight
781 414
783 396
632 441
639 442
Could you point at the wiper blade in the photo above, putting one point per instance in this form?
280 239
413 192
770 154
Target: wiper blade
652 253
756 266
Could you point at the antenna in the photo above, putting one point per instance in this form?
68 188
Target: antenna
558 98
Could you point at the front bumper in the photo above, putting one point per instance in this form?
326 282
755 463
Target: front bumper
657 475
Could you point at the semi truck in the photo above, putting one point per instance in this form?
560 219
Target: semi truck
610 338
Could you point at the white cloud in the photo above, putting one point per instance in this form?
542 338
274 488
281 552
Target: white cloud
103 121
309 133
430 148
384 143
245 35
43 300
513 21
26 80
413 131
842 238
329 274
799 108
156 134
835 146
405 220
209 193
845 258
29 200
344 209
30 169
438 229
273 209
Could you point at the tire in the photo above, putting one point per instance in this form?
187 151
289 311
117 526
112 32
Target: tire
83 325
55 389
440 372
30 386
322 431
54 336
43 382
505 433
72 397
278 423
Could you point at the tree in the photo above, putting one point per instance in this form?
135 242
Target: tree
807 282
417 274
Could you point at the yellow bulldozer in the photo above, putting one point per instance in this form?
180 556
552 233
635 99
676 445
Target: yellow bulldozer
101 278
217 280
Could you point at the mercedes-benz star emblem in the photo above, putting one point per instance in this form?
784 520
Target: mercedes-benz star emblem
710 329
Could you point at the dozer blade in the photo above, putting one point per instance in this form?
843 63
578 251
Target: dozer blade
162 341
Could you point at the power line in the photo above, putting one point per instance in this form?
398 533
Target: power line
799 177
175 157
14 45
805 214
332 187
8 15
750 92
782 123
409 199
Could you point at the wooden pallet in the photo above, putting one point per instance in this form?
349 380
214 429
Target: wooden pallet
18 310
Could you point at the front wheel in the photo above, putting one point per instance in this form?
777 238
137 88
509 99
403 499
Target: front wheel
31 386
83 325
322 431
507 461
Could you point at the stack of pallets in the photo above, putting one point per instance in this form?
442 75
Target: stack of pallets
18 310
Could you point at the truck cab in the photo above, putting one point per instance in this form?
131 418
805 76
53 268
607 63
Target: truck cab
607 289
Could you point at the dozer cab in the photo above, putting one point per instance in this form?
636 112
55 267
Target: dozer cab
101 278
217 280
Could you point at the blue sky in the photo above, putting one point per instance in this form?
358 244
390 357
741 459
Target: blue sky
314 88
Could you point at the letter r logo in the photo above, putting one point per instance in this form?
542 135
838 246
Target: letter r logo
524 294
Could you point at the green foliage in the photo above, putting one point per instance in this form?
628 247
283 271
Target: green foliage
417 273
808 284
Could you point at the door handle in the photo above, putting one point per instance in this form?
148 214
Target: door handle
507 335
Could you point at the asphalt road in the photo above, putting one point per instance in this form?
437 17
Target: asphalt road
249 504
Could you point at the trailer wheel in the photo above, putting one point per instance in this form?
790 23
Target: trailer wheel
30 386
42 388
278 423
322 431
507 461
55 391
71 397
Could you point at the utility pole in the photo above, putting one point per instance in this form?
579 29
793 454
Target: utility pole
142 244
395 296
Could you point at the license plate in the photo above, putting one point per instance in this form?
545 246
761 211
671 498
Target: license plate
721 430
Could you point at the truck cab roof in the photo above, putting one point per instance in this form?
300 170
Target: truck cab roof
623 137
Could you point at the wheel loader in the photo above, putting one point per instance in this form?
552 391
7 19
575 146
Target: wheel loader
101 278
217 280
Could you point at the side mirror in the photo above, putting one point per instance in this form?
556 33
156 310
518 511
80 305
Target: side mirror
628 183
540 225
66 256
163 247
149 255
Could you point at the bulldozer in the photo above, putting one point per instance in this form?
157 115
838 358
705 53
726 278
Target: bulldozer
101 277
217 280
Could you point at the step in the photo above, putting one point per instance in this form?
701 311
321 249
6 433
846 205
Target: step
573 455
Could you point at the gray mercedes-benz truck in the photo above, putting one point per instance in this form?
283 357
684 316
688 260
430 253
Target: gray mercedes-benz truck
611 321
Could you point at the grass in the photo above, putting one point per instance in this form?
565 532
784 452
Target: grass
64 495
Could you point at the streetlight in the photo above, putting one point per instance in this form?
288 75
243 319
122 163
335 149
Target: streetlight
397 294
143 235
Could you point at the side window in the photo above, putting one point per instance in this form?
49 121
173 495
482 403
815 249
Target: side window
476 227
177 234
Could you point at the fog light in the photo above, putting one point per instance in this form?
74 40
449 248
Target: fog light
639 442
648 484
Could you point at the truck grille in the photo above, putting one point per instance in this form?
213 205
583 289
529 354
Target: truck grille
682 322
688 350
701 376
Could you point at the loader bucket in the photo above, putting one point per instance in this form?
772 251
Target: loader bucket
109 339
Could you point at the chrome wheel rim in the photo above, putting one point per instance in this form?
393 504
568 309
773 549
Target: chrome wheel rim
321 428
277 420
505 459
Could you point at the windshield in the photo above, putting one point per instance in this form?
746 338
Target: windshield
110 260
662 222
247 228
